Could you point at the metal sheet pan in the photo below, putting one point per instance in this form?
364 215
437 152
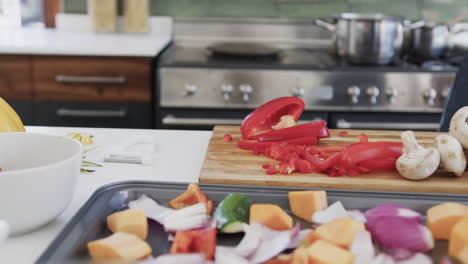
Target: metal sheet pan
89 223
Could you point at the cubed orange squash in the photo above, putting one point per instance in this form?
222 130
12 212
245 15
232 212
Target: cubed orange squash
300 256
270 215
191 196
305 203
441 218
281 259
322 252
131 221
458 237
118 247
340 231
462 256
310 238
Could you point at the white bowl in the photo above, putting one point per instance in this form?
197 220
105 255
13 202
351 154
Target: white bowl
38 178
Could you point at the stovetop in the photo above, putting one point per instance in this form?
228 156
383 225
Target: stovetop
289 58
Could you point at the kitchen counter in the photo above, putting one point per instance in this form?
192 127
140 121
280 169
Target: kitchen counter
178 157
69 41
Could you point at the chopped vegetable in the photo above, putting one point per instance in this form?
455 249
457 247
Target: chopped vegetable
312 129
152 209
362 248
191 196
119 247
232 212
262 146
270 215
225 255
343 133
441 218
391 210
458 237
452 157
193 258
340 231
357 215
195 241
325 253
227 138
269 114
418 258
187 218
417 162
463 255
132 221
304 204
334 211
363 138
383 258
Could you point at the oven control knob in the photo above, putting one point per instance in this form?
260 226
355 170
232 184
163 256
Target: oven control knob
190 89
391 94
445 93
227 89
246 90
429 96
373 92
298 92
354 92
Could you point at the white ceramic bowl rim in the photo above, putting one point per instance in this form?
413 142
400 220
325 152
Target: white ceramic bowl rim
23 170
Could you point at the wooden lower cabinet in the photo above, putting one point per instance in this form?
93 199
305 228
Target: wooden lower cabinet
15 77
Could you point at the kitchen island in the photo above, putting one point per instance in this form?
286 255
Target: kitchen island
177 157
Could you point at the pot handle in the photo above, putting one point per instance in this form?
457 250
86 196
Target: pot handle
325 25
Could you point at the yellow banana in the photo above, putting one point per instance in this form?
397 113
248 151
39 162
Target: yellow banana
9 119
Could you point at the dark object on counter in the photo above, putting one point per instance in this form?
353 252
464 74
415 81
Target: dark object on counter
243 49
457 97
366 39
90 221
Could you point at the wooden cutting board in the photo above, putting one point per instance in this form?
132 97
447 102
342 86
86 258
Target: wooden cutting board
225 163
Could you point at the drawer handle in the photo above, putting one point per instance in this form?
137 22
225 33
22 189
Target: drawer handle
90 79
63 112
343 124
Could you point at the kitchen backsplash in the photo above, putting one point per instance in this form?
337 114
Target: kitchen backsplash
437 10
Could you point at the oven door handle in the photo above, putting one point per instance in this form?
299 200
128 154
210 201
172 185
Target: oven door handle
187 121
343 124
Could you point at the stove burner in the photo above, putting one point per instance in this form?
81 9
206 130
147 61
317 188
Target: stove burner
249 50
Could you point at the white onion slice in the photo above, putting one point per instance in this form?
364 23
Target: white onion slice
418 258
4 231
383 259
186 223
362 248
226 255
249 242
392 210
332 212
196 209
152 209
358 216
268 249
296 241
195 258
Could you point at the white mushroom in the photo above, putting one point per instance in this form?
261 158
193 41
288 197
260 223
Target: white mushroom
417 162
459 126
452 157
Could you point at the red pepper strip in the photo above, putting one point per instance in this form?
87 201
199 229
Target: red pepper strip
195 241
343 133
303 166
227 138
315 129
363 138
251 144
323 164
359 152
267 115
271 170
379 164
331 148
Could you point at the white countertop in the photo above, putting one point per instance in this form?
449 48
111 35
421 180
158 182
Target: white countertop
178 157
75 38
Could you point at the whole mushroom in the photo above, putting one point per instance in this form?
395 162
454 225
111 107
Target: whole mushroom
459 126
452 157
417 162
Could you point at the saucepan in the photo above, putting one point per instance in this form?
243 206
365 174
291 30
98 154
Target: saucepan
366 38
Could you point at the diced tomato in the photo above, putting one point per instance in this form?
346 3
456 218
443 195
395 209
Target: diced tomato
195 241
227 138
312 129
343 133
265 116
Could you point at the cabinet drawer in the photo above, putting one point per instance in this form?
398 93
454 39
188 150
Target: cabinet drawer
91 114
15 77
24 108
111 79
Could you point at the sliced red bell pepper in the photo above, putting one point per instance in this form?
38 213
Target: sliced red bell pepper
195 241
191 196
363 138
329 149
267 115
323 164
227 138
356 153
252 145
343 133
315 129
303 166
379 164
271 170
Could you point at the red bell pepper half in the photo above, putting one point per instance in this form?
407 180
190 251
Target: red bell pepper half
312 129
356 153
267 115
195 241
262 146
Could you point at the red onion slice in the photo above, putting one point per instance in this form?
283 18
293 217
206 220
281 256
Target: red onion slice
362 248
358 216
330 213
392 210
249 242
152 209
418 258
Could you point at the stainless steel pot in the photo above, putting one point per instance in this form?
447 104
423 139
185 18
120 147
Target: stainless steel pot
366 38
427 41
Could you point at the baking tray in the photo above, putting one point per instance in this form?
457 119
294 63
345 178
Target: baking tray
89 223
